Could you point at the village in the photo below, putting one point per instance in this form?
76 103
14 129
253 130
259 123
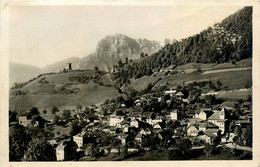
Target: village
128 127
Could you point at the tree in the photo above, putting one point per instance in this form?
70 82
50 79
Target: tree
39 150
12 116
96 69
54 110
216 140
219 84
207 149
45 111
18 141
210 99
66 114
173 124
247 135
120 63
75 128
184 146
33 111
79 107
249 98
237 131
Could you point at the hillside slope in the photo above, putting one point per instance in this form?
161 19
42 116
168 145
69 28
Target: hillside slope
227 41
61 90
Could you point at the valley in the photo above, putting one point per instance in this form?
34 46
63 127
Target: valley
134 100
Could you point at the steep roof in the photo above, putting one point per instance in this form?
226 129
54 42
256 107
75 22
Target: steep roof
118 113
139 136
209 125
208 112
147 114
215 115
193 121
210 131
134 114
195 125
81 134
61 146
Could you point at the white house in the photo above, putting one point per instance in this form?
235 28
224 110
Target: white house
116 117
204 114
24 121
79 139
134 123
170 92
175 115
193 130
218 118
60 152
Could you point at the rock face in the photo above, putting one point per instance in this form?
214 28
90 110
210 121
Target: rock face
117 47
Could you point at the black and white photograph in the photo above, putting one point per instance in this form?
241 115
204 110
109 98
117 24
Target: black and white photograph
130 83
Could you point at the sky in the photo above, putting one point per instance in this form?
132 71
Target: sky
42 35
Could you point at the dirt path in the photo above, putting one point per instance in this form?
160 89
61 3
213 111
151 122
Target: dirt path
230 145
226 70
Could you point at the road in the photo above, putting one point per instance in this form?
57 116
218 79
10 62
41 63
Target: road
231 145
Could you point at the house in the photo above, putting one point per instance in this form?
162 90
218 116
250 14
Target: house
135 115
193 130
193 121
135 123
175 115
124 138
218 118
179 95
61 152
52 142
138 102
79 139
158 118
139 138
24 121
159 126
178 132
187 101
92 117
66 150
170 92
146 131
211 131
207 125
204 114
116 117
113 130
231 137
207 137
148 117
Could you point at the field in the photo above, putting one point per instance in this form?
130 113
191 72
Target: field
58 90
229 79
242 94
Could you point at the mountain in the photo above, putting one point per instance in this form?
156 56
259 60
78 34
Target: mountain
227 41
117 47
59 66
22 72
109 51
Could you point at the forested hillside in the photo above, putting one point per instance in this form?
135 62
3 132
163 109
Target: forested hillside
227 41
